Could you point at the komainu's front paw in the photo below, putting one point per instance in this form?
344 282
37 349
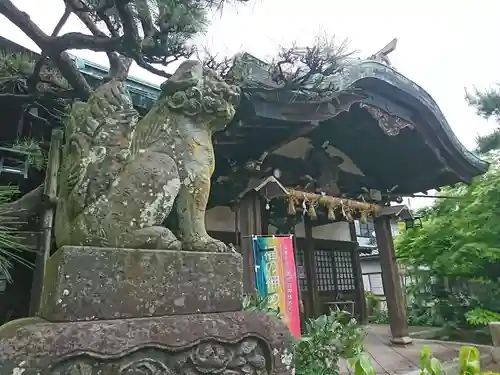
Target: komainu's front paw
206 244
156 238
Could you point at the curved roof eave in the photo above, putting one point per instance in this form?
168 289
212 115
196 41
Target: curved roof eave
359 72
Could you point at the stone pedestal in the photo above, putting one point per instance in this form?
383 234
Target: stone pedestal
140 312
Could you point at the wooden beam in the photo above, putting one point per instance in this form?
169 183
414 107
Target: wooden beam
392 282
50 199
299 133
361 309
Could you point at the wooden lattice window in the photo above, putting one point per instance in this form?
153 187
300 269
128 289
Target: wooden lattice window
334 270
365 229
344 267
325 270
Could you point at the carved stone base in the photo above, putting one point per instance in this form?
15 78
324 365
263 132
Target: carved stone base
236 343
140 312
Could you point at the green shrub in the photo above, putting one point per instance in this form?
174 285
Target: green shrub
481 317
373 303
382 317
325 341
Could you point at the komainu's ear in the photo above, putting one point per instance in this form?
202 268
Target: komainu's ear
188 74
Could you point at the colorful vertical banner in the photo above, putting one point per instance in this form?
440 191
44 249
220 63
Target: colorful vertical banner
276 276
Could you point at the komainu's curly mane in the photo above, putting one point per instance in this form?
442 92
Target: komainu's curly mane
195 92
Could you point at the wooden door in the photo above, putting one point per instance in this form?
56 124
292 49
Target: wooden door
337 280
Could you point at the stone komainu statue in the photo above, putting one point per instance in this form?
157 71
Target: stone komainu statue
121 178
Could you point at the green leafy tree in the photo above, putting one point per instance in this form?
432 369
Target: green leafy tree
459 244
460 237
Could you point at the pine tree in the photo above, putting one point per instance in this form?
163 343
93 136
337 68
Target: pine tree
487 105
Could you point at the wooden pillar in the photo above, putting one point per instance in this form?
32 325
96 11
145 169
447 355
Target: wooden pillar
37 284
310 265
249 218
361 309
392 282
50 199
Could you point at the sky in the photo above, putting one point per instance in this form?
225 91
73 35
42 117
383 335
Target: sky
444 46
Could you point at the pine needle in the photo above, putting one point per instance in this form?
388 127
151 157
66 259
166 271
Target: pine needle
12 248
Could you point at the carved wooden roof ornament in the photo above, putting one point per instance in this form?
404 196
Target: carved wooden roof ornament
390 124
382 55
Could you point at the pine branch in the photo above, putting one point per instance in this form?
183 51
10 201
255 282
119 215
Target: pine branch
145 17
43 60
486 103
489 142
309 68
162 40
23 21
75 40
119 67
143 64
62 21
76 6
131 36
221 65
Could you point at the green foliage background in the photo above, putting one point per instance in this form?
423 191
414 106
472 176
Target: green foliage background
456 253
460 237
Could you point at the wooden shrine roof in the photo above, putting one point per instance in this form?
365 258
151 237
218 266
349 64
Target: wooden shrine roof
387 125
